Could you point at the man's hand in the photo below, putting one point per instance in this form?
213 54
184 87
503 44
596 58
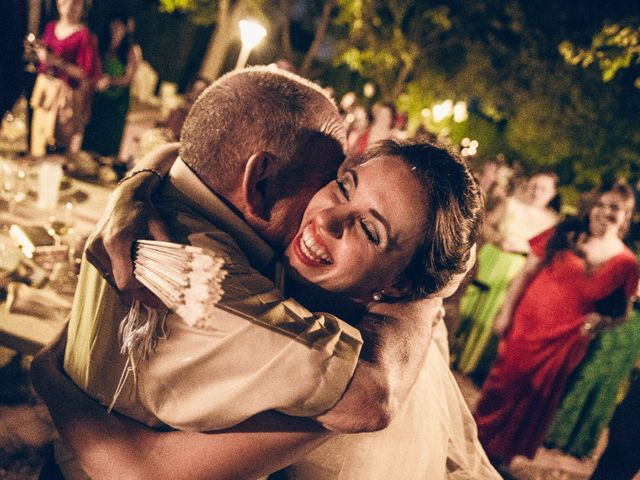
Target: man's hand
396 340
130 216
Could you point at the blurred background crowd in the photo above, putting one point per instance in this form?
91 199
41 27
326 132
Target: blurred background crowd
515 87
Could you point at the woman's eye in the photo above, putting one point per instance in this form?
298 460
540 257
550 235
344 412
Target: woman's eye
343 189
370 232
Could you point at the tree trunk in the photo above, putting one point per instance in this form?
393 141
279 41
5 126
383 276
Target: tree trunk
285 37
401 80
226 25
321 33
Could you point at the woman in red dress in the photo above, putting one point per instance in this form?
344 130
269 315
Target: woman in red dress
69 66
545 321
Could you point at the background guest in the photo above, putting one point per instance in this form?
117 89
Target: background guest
545 316
590 401
69 65
120 57
13 28
356 123
621 458
382 120
508 228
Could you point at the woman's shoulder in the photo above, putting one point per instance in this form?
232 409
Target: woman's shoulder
49 29
623 265
627 257
84 32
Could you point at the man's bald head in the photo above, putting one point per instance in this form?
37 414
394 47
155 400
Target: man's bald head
260 109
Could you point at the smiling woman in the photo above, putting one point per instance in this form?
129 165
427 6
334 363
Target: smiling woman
378 225
547 321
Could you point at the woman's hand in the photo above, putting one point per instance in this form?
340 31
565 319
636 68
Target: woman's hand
103 83
501 322
594 323
42 53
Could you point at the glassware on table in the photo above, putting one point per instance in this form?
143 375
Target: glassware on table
14 185
60 225
49 179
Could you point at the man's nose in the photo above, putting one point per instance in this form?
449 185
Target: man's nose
334 220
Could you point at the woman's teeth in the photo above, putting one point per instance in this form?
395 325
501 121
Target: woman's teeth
312 250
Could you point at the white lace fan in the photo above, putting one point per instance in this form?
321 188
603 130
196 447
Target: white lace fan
187 279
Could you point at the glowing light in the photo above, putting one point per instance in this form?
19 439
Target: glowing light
439 113
251 34
460 113
369 90
442 110
426 113
465 142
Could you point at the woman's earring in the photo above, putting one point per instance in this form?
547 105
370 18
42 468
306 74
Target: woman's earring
377 296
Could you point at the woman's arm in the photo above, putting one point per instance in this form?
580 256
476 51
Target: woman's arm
396 338
257 447
133 60
70 69
514 292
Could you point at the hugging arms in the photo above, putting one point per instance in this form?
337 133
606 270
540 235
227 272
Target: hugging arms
352 242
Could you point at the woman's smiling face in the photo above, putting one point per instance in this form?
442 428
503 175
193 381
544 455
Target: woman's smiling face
360 231
608 212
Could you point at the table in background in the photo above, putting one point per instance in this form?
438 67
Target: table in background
26 333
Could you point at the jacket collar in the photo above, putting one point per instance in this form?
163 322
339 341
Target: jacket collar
203 200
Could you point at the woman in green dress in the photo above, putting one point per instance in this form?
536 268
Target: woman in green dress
597 387
120 58
507 232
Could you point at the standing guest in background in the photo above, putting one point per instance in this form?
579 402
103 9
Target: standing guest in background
522 218
544 318
494 179
120 59
356 123
399 131
383 116
507 230
69 66
177 116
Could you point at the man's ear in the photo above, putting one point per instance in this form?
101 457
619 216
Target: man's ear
259 169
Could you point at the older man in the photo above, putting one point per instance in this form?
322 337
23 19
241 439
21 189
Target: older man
255 181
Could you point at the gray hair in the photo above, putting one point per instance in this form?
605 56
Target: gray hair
255 109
